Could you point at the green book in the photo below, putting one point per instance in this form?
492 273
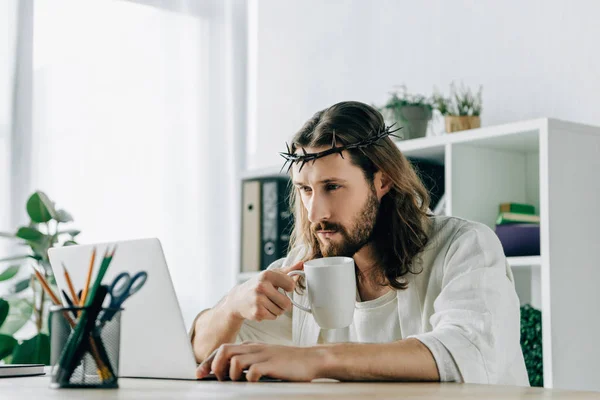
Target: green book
516 218
517 208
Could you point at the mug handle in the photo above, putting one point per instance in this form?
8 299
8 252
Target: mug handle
301 273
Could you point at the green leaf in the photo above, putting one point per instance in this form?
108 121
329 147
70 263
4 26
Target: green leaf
14 258
72 232
63 216
70 243
9 272
19 313
40 247
7 345
40 208
4 308
30 234
21 285
33 351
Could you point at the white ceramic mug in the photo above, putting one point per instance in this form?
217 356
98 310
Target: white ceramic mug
331 286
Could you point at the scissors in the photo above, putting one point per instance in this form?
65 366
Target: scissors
122 287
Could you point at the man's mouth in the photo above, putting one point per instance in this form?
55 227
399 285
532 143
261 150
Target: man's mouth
326 234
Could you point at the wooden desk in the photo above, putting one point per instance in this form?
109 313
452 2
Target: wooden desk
37 388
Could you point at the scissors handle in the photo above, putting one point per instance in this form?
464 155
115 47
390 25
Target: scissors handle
137 282
124 285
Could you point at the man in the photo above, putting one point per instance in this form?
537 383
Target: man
435 295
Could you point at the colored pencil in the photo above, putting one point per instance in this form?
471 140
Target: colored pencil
46 287
67 359
74 297
88 279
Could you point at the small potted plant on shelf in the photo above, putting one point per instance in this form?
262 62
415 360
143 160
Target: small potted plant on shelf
412 112
461 110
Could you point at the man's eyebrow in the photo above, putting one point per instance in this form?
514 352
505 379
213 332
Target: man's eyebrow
322 181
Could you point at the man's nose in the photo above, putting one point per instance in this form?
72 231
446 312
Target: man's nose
318 209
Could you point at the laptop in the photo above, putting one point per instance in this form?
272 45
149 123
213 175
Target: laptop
154 341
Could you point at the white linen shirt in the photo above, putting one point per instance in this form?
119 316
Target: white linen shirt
462 302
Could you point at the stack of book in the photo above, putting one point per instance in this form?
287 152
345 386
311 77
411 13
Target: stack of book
518 228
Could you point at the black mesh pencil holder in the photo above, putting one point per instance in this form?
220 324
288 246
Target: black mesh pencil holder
84 347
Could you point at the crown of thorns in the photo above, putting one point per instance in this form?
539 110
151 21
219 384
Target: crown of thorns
292 157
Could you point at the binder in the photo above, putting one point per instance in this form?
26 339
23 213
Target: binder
267 222
251 245
276 220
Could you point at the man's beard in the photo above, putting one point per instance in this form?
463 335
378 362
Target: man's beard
354 239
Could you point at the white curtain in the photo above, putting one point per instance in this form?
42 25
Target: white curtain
15 112
8 16
137 128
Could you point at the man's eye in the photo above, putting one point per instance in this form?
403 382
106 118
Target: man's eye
331 187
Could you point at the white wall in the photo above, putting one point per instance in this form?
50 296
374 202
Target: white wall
534 58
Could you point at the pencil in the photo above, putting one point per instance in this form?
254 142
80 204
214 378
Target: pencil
102 369
46 287
74 297
88 279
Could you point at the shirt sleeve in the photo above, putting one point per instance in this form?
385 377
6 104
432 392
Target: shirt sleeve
476 315
446 365
277 331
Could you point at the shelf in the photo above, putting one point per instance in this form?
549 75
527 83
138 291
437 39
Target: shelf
529 261
518 137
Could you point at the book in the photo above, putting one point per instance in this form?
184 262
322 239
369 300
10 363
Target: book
516 218
519 240
517 208
9 370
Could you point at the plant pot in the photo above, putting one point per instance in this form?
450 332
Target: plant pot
413 120
455 123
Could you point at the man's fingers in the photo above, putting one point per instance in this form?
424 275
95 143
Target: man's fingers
204 367
220 363
277 279
239 363
257 371
299 266
272 310
281 300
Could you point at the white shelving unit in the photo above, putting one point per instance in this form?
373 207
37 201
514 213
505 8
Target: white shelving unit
555 166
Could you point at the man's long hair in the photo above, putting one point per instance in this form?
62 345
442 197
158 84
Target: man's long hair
401 229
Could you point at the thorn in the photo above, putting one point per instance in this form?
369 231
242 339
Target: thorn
341 155
303 162
304 151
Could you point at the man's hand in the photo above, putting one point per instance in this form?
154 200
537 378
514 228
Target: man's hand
301 364
258 298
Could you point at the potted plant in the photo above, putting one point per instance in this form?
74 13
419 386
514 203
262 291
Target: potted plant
412 112
461 110
26 301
